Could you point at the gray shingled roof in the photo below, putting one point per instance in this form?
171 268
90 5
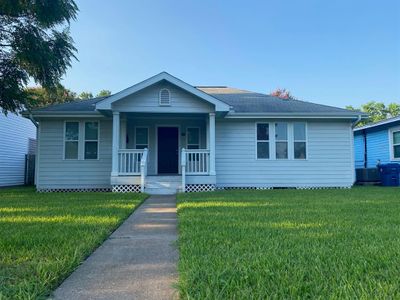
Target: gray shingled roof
78 106
250 102
241 101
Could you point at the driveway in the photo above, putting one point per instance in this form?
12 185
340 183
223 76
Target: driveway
138 261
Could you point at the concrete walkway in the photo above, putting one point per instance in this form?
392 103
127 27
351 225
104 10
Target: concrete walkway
138 261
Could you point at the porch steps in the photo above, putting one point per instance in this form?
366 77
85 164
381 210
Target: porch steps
163 185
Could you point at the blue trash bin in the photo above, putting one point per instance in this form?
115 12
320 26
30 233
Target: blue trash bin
390 174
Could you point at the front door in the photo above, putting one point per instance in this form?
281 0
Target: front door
168 150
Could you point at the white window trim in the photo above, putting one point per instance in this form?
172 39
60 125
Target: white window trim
391 143
81 140
269 141
304 141
98 140
290 140
169 99
65 140
289 152
187 137
148 137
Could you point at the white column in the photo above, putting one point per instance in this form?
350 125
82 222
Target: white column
122 137
208 133
211 125
115 143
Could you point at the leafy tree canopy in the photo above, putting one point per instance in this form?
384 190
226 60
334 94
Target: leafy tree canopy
377 111
85 95
39 97
104 93
35 44
283 94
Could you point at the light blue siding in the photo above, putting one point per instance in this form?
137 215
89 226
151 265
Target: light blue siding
57 173
359 150
147 100
329 162
378 145
15 132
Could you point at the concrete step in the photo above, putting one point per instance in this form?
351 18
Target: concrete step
160 191
164 178
163 185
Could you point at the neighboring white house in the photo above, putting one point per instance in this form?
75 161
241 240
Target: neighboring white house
163 135
17 138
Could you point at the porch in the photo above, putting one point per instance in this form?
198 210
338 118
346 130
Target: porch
168 152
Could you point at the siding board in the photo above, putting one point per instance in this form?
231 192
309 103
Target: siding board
329 161
15 132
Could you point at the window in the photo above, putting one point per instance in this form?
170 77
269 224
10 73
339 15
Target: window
193 138
141 137
299 139
91 140
396 144
262 140
281 140
164 97
71 145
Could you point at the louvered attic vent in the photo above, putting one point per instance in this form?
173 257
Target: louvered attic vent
165 97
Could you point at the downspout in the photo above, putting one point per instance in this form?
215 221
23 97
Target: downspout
33 120
365 149
354 124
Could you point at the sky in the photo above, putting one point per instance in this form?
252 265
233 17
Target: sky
330 52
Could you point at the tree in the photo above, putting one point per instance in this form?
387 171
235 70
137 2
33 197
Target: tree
85 95
35 44
394 109
40 97
104 93
377 111
283 94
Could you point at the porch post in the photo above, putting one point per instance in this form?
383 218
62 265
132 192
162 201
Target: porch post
122 136
211 125
115 143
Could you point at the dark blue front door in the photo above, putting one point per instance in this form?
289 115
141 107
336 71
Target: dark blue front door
168 150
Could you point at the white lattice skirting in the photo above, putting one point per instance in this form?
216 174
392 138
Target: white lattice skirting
77 190
126 188
192 188
272 188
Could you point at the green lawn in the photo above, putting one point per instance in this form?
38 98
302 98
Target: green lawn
290 244
44 237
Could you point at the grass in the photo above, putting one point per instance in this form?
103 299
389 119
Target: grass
290 244
44 237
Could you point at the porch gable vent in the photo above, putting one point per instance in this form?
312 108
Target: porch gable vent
165 97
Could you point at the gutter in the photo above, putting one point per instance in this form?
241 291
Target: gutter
354 124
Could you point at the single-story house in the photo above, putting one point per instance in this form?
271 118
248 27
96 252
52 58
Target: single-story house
17 138
377 143
163 134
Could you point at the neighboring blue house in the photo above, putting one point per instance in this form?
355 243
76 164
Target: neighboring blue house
17 138
163 134
377 143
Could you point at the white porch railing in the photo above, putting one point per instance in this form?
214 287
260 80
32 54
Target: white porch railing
197 162
129 161
194 162
143 170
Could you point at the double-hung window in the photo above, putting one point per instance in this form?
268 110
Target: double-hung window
281 140
141 137
71 145
193 138
299 140
396 144
91 140
262 141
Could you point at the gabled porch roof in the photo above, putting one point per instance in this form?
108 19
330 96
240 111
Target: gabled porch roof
106 103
